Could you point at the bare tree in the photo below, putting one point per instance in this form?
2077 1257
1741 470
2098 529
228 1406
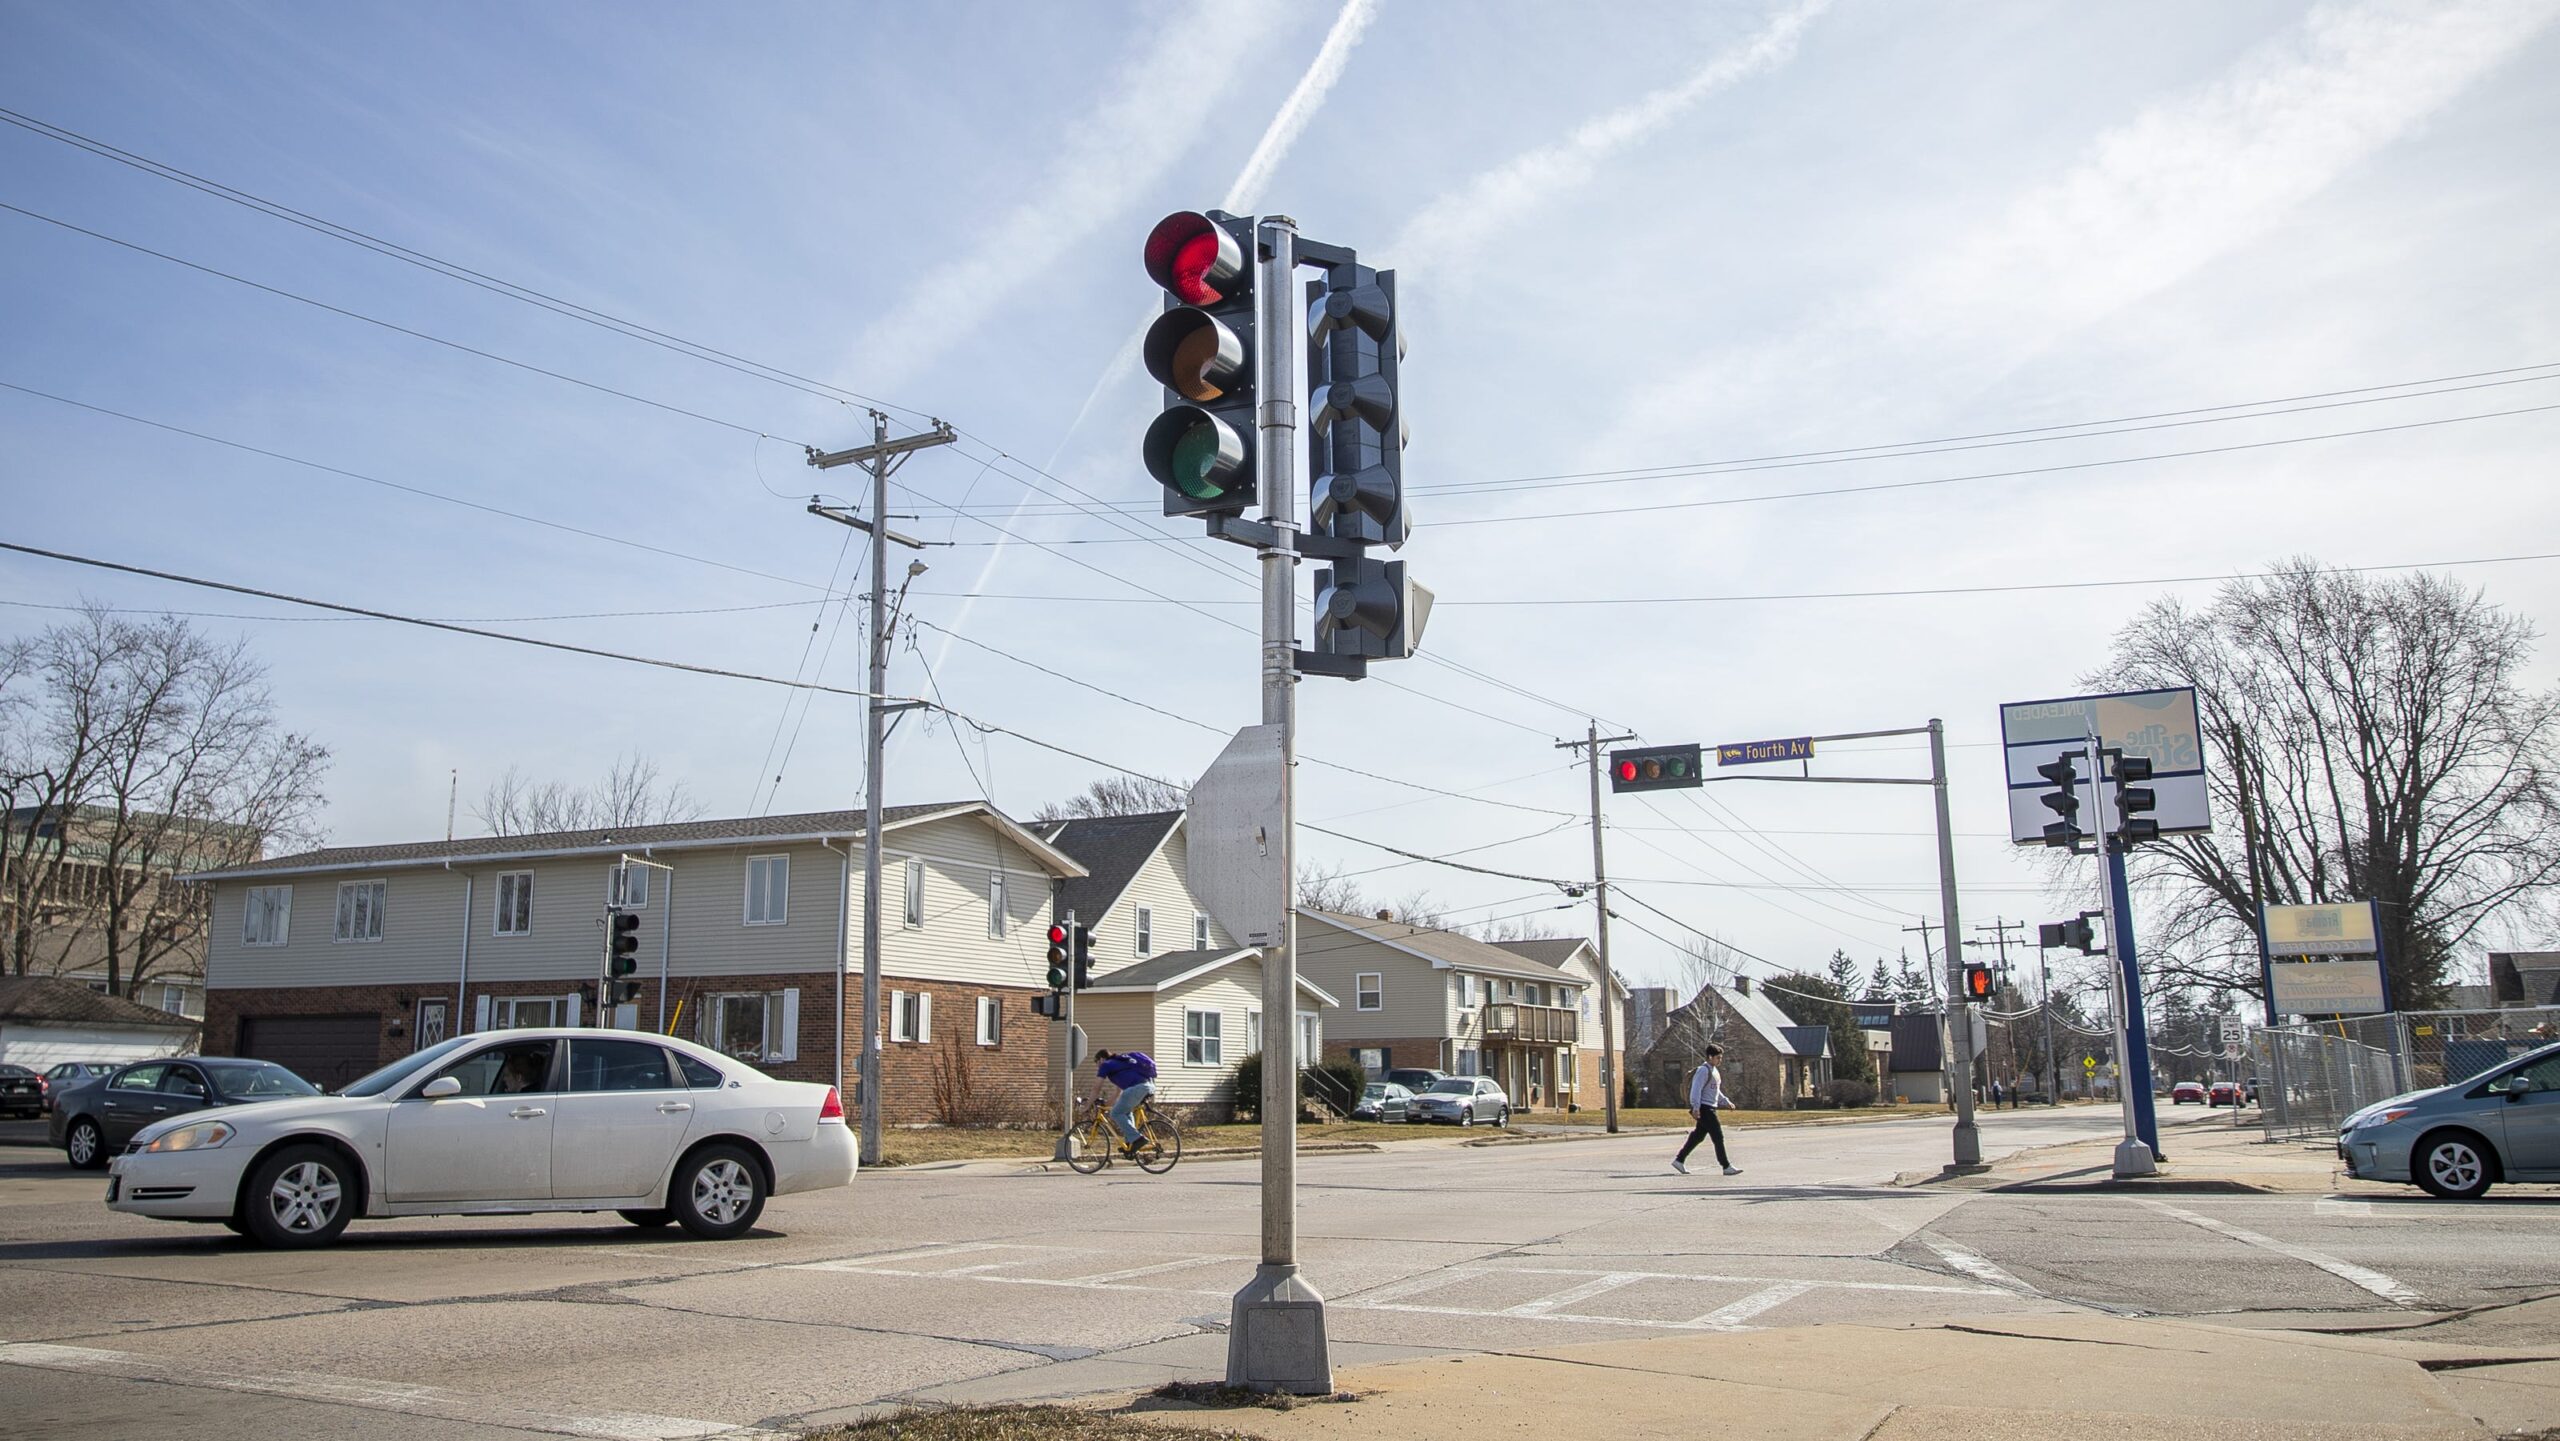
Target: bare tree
1330 888
2380 735
632 794
137 751
1116 795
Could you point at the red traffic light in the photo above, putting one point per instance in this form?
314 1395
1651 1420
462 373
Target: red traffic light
1195 258
1057 935
1626 770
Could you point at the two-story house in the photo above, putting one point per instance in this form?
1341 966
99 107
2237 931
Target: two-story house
86 871
335 961
1167 978
1415 996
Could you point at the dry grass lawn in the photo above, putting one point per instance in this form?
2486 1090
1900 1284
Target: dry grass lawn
939 1143
1672 1116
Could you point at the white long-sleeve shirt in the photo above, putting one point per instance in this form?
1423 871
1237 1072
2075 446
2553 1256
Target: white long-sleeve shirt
1706 1087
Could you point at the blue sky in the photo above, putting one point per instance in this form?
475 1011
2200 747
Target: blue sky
1639 235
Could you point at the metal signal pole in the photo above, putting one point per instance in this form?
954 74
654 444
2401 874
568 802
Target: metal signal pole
1590 746
882 455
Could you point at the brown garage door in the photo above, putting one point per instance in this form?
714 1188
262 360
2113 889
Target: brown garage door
327 1051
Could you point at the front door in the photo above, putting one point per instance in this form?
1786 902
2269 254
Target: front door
2532 1116
435 1021
621 1119
492 1142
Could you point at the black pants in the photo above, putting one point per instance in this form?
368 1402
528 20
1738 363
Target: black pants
1709 1128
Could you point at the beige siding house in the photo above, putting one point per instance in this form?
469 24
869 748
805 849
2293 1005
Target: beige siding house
339 960
1197 1013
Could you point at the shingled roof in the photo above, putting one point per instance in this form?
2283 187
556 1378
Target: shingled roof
53 1001
809 825
1111 849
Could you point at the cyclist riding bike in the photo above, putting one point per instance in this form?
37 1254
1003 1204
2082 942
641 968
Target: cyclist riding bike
1134 1072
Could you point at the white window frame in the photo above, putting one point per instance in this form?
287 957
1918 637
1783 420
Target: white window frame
781 1013
626 888
911 1017
515 887
764 894
990 1021
1466 992
509 1006
1310 1038
1253 1032
173 999
1199 931
1470 1061
1369 990
261 903
348 932
1203 1038
995 905
1144 932
913 915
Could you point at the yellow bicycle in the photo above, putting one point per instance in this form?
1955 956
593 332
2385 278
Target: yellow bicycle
1095 1142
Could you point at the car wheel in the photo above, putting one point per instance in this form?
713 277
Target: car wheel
648 1220
300 1196
1502 1117
1467 1117
85 1145
2454 1165
718 1193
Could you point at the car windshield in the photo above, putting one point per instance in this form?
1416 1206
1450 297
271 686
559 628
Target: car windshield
1453 1087
257 1081
1373 1090
402 1069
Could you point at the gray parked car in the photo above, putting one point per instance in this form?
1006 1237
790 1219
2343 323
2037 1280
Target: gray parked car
1463 1101
2453 1141
93 1121
1383 1101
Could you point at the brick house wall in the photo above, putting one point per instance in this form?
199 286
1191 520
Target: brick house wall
1424 1052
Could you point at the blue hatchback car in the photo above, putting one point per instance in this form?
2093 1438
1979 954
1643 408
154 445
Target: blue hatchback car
2453 1141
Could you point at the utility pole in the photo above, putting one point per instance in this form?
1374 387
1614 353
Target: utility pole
2000 928
1590 747
882 456
1968 1136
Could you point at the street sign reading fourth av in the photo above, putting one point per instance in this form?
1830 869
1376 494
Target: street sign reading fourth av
1751 753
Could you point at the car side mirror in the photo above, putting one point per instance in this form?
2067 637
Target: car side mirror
441 1087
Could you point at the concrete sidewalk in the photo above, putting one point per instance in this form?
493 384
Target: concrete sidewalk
2043 1377
2201 1157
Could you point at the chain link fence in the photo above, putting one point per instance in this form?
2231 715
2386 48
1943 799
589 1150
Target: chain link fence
2310 1078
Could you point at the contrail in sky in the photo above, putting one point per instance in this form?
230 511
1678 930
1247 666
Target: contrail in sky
1287 124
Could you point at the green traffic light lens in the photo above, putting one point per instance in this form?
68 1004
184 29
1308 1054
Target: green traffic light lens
1196 463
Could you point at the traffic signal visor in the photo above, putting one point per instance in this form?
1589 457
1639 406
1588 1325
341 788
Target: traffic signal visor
1195 258
1057 957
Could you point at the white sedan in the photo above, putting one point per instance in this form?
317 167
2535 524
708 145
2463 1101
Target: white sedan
501 1123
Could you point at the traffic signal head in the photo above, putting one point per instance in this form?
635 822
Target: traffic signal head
1355 421
1977 983
1655 768
1201 351
1369 608
624 947
1057 957
2063 800
2133 826
1084 956
625 992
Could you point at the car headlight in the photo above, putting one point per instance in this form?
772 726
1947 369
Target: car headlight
202 1136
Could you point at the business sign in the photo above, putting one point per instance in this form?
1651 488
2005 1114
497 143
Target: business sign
2157 725
2350 987
2339 930
1872 1015
1752 753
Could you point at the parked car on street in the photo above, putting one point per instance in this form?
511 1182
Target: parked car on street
512 1122
1415 1078
1463 1101
1383 1101
2223 1093
2454 1141
93 1120
21 1091
2186 1091
72 1073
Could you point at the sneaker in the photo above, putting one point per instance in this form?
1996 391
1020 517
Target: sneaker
1680 1167
1733 1170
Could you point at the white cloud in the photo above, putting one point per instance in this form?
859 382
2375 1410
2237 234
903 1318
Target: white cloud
1290 120
1151 111
1460 219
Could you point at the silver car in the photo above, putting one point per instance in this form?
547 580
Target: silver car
1463 1100
2500 1125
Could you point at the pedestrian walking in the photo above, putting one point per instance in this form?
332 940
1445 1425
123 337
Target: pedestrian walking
1706 1097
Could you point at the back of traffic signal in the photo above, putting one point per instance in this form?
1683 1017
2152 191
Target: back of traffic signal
2129 803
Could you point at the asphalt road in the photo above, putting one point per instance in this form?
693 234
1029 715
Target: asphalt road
987 1281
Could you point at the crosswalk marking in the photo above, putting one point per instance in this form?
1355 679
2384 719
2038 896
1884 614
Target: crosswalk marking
2371 1280
1731 1317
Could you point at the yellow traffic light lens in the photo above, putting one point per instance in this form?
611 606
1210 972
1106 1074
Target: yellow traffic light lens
1196 370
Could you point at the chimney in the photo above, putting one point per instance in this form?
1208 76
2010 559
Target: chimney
1386 915
1742 985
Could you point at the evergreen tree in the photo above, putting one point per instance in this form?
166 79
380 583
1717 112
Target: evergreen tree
1844 973
1880 983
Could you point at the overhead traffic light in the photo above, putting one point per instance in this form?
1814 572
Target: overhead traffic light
1655 768
1084 957
2075 933
1201 351
2063 800
622 951
1058 973
2133 827
1977 983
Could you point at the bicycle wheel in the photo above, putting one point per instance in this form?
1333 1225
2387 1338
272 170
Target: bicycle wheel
1087 1152
1160 1146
